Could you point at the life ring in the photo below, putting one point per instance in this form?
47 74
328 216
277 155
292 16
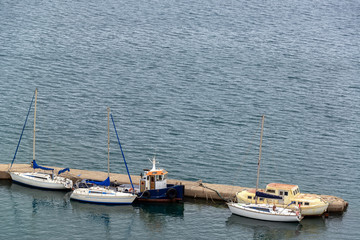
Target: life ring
171 193
146 194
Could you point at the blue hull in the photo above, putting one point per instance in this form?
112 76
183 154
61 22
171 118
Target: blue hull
169 194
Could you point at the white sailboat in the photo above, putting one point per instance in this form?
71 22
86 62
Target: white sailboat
102 192
40 179
263 211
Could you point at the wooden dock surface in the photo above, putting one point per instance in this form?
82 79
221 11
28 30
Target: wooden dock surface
208 191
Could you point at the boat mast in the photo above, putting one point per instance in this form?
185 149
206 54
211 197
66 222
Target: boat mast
108 109
258 170
122 153
36 91
22 131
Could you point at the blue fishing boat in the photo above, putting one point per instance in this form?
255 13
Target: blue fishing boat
153 186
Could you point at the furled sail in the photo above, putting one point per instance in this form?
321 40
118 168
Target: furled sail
266 195
106 182
35 165
63 170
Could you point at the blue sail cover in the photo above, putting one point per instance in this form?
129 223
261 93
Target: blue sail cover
35 165
63 170
103 183
266 195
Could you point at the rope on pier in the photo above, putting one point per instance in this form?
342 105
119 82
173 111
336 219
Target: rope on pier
202 185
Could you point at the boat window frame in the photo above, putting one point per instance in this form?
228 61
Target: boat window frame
271 191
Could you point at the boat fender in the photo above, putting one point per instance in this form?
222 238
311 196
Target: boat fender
146 194
171 193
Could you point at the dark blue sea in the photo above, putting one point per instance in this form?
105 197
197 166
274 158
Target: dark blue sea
188 82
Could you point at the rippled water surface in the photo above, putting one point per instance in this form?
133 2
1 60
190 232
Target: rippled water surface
187 81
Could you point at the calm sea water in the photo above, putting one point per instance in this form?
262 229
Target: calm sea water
187 81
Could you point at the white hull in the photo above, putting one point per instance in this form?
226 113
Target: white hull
102 195
279 215
42 180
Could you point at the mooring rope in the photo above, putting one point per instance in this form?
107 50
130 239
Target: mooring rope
202 185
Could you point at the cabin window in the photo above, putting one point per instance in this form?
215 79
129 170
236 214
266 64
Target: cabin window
261 199
281 193
307 204
148 178
270 191
165 176
286 193
300 203
249 197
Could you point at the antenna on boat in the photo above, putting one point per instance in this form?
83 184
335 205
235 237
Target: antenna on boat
258 170
153 161
36 91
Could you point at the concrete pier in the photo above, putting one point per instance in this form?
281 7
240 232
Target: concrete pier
210 192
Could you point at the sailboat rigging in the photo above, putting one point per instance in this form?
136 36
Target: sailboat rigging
102 192
39 179
264 211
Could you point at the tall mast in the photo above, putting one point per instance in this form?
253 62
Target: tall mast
258 170
36 91
122 153
17 147
108 109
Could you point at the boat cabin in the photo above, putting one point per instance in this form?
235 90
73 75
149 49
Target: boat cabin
153 179
283 190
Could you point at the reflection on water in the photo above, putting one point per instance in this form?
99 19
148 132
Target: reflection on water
101 214
278 230
155 215
314 225
158 209
41 198
265 229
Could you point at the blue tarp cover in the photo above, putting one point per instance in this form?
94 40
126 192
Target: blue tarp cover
266 195
63 170
35 165
103 183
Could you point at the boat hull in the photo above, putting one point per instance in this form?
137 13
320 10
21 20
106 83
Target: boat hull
281 215
172 193
102 195
41 180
